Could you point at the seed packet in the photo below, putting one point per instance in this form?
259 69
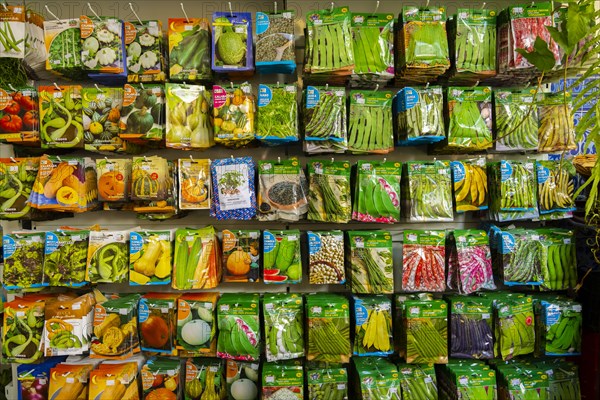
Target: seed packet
371 262
65 257
157 319
233 188
277 114
68 326
108 257
471 269
241 255
232 42
373 47
376 378
328 321
144 48
161 378
242 378
282 191
325 120
194 184
101 115
189 49
423 261
420 115
196 325
19 116
429 191
239 332
284 326
22 328
114 381
470 114
13 34
148 178
189 126
515 331
281 257
326 257
377 192
23 255
114 179
417 379
150 257
373 326
555 186
470 185
471 328
234 110
61 117
552 315
426 322
143 113
275 42
556 131
63 45
283 380
17 177
197 259
516 120
327 379
115 332
513 190
329 198
69 380
102 44
370 128
204 376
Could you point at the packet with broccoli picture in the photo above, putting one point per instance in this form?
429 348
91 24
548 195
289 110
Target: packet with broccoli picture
274 49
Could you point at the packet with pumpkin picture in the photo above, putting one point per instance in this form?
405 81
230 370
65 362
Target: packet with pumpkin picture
162 379
282 191
114 179
114 381
196 325
204 377
241 255
67 184
239 326
194 183
68 325
19 116
150 257
234 110
242 379
115 329
61 117
101 115
69 381
143 113
189 125
149 178
157 322
161 209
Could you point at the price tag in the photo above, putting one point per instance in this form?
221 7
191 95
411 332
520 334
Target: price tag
292 238
110 382
270 379
464 381
70 380
341 386
287 15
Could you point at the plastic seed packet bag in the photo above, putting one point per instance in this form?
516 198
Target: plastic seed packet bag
329 41
377 378
429 186
23 255
331 379
233 188
282 191
239 327
189 125
232 42
20 116
150 258
373 326
17 177
552 315
470 114
234 111
63 46
471 327
189 49
102 44
516 121
377 192
558 259
555 186
328 324
108 257
371 263
114 179
472 34
370 122
143 113
13 32
470 185
277 117
329 198
423 261
65 257
325 120
205 375
373 47
471 268
101 115
144 48
283 380
61 117
284 326
326 257
556 130
426 329
515 326
281 257
196 325
275 42
521 252
241 255
513 190
416 380
420 115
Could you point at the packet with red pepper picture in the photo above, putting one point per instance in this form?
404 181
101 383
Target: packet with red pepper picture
19 116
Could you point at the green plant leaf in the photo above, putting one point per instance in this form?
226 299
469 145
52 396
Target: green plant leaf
540 57
560 38
578 23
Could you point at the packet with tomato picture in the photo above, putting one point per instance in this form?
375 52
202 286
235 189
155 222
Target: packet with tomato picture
115 332
69 381
19 116
114 381
157 322
161 379
283 380
204 377
196 325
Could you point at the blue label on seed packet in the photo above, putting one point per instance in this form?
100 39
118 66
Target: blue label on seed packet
408 98
543 174
9 246
506 170
51 243
264 95
314 243
269 242
262 23
312 96
458 169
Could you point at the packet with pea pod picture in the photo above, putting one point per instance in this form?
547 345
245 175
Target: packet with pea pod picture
12 31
